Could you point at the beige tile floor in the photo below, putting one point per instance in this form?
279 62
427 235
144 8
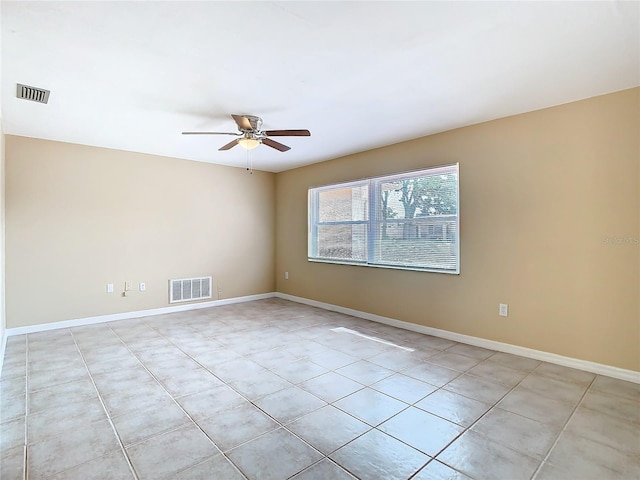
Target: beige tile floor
267 390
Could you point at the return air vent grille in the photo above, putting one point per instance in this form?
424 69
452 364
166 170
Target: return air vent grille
187 289
34 94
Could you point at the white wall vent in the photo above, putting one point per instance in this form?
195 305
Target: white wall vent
34 94
187 289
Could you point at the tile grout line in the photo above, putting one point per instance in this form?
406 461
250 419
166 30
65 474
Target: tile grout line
409 405
374 427
564 427
364 386
246 356
278 422
468 428
491 406
25 471
161 386
175 402
104 407
283 425
465 429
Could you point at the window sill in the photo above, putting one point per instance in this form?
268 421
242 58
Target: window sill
390 267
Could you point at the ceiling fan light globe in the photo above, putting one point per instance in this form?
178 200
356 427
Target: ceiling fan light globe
249 143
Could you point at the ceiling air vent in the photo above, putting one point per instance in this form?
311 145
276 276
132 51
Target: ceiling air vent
34 94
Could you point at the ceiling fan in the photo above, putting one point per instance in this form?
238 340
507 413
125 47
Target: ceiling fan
251 134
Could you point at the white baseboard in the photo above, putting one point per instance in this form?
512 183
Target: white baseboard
593 367
137 314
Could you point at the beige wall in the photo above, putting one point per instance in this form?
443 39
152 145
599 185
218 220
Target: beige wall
540 194
80 217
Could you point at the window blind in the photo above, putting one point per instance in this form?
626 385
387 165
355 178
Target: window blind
407 220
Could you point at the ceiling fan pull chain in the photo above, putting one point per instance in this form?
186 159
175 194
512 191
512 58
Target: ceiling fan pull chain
249 162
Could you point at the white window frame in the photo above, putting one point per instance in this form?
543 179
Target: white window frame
372 221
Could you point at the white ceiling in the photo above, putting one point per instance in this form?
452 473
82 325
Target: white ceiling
359 75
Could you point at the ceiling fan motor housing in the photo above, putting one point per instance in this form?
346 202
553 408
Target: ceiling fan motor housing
256 122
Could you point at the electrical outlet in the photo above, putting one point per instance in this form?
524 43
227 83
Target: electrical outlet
286 275
503 310
109 287
143 287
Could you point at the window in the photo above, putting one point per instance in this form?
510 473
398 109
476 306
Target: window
408 220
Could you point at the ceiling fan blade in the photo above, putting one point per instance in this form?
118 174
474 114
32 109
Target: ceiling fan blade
288 133
210 133
243 123
229 145
276 145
